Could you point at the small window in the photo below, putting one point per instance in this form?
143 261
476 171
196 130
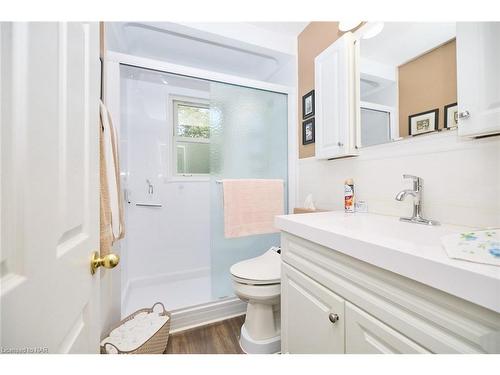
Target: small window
191 138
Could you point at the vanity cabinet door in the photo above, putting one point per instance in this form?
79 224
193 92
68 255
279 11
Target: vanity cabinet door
478 78
368 335
312 316
334 99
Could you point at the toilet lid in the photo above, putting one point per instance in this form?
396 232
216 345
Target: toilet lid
264 269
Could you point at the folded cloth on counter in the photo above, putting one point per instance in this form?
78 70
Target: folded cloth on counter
480 246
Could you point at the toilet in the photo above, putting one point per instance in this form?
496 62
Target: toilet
257 281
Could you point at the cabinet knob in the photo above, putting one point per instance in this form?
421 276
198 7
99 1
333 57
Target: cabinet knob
334 318
340 144
464 114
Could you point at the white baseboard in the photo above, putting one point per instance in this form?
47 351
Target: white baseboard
195 316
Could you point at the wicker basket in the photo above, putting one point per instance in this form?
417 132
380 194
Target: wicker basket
156 344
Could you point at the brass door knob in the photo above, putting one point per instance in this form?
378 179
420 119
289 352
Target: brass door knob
109 261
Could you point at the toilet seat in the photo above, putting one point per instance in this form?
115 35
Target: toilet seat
262 270
254 282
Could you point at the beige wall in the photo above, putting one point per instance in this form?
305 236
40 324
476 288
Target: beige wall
315 38
426 83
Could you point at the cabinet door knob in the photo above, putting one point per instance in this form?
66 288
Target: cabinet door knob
340 144
464 114
334 318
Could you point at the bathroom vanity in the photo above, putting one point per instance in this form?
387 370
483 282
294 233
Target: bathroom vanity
366 283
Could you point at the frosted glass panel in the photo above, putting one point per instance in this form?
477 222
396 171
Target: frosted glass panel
248 139
192 158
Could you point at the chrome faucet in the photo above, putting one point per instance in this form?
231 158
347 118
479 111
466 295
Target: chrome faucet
416 193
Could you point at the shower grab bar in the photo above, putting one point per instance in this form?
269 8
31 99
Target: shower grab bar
220 181
157 205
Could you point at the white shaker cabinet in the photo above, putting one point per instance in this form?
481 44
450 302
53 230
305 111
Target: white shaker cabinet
334 76
318 321
478 78
314 321
333 303
367 335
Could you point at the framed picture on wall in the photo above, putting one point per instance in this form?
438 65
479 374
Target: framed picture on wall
308 132
424 122
451 116
308 105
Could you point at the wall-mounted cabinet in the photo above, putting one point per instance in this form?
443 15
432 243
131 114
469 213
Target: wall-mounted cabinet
478 76
405 80
335 100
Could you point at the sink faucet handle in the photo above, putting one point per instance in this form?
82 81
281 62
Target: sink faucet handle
417 181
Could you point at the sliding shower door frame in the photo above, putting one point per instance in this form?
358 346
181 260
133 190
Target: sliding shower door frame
190 316
112 91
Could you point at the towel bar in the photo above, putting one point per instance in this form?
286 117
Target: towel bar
157 205
220 181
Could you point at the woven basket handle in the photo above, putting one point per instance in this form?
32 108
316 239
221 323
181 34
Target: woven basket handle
118 351
162 306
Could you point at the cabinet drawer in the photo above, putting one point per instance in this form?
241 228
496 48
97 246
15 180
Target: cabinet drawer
367 335
307 311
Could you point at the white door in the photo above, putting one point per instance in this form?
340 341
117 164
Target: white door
49 187
367 335
334 101
478 78
312 316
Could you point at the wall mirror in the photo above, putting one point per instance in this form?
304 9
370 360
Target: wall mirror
407 80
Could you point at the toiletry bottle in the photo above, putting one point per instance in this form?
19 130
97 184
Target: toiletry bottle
349 195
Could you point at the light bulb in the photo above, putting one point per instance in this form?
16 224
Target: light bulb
348 25
373 29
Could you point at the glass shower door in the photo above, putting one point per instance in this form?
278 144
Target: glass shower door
248 139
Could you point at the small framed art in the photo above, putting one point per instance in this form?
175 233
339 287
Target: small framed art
424 122
308 132
308 105
451 116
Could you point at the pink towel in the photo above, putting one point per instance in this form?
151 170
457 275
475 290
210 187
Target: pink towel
251 205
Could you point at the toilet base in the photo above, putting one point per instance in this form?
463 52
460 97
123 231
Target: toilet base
251 346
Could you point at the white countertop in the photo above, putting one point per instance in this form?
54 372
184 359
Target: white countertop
410 250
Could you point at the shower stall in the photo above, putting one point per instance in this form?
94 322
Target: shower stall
180 132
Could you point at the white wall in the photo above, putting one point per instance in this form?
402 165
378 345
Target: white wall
166 242
461 178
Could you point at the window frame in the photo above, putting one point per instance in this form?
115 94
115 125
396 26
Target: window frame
175 101
393 124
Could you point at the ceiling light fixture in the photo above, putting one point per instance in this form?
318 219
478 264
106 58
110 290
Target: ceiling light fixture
373 29
348 25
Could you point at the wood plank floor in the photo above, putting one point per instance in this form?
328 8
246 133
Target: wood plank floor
217 338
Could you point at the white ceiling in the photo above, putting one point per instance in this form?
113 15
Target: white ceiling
400 42
287 28
241 49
